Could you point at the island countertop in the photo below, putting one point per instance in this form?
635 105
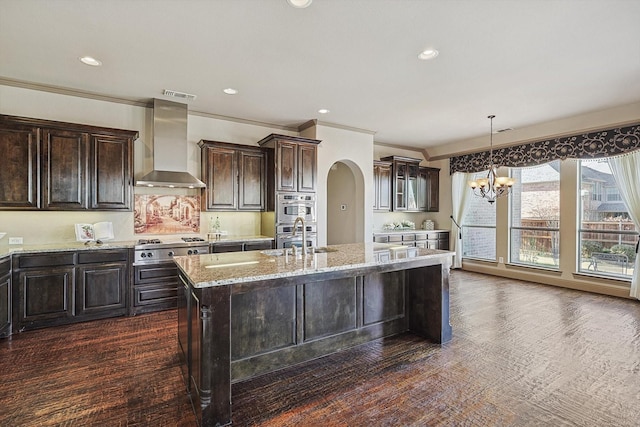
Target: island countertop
242 267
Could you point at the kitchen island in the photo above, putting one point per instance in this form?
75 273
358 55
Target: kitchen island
244 314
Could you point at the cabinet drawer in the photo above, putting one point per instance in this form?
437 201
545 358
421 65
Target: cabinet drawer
381 239
155 294
395 238
421 236
155 273
408 237
257 246
46 260
227 247
101 256
5 266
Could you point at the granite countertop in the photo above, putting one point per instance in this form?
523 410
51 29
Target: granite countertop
232 238
408 231
243 267
63 246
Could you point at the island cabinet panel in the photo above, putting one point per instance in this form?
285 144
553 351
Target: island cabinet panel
329 308
19 168
270 324
5 297
66 161
384 297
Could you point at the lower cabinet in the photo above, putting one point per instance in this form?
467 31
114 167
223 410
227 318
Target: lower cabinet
432 239
257 245
5 297
155 287
66 287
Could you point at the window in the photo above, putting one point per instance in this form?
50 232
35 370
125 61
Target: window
479 227
607 235
535 216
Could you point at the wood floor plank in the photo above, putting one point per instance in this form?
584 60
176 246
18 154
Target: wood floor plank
522 354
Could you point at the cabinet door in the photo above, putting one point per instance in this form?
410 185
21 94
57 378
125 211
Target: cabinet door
400 186
423 190
65 177
286 166
251 190
101 288
45 297
307 167
433 184
5 305
382 187
111 173
221 178
19 168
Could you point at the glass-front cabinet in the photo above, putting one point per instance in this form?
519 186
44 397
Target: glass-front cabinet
412 189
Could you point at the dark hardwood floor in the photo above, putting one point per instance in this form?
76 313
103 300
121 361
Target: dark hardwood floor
522 355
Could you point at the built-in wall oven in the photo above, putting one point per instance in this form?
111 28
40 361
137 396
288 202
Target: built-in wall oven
293 205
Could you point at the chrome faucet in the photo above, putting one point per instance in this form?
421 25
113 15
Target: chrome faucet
304 233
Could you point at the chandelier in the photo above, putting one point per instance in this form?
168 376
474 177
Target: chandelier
493 186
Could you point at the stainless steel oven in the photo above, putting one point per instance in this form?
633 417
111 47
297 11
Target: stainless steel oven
293 205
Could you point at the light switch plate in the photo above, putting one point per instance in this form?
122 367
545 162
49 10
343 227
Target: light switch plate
15 240
500 260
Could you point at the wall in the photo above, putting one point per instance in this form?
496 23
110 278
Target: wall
347 146
341 224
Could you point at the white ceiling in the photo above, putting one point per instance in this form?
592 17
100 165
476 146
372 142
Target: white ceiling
526 61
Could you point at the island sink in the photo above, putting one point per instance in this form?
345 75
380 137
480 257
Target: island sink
244 314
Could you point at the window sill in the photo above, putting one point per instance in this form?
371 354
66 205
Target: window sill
536 268
583 275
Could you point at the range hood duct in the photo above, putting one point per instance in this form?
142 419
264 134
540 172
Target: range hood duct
169 148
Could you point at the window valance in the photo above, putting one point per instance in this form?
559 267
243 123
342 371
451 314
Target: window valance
593 145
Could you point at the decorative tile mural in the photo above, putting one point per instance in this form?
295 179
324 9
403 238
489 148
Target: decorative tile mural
156 214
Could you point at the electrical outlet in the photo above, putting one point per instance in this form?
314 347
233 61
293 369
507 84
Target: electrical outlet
15 240
501 260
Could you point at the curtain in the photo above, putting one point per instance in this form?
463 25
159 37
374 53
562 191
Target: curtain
626 171
459 195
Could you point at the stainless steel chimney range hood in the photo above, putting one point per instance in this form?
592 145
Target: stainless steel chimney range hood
169 148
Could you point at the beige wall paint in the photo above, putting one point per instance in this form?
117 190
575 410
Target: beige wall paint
341 191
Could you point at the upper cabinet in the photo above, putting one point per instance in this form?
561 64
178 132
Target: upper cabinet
234 175
63 166
291 165
382 185
413 188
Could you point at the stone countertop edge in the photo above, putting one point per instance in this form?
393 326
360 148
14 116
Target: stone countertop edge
245 267
408 231
233 239
65 246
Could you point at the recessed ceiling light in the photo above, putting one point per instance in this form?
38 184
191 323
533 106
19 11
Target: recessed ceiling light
230 91
323 111
90 61
428 54
300 4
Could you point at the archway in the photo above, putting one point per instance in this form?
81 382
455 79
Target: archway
345 203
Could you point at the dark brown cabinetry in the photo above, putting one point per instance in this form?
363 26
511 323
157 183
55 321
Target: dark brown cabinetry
155 287
64 166
5 297
413 188
65 287
101 283
234 175
291 165
220 247
382 185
